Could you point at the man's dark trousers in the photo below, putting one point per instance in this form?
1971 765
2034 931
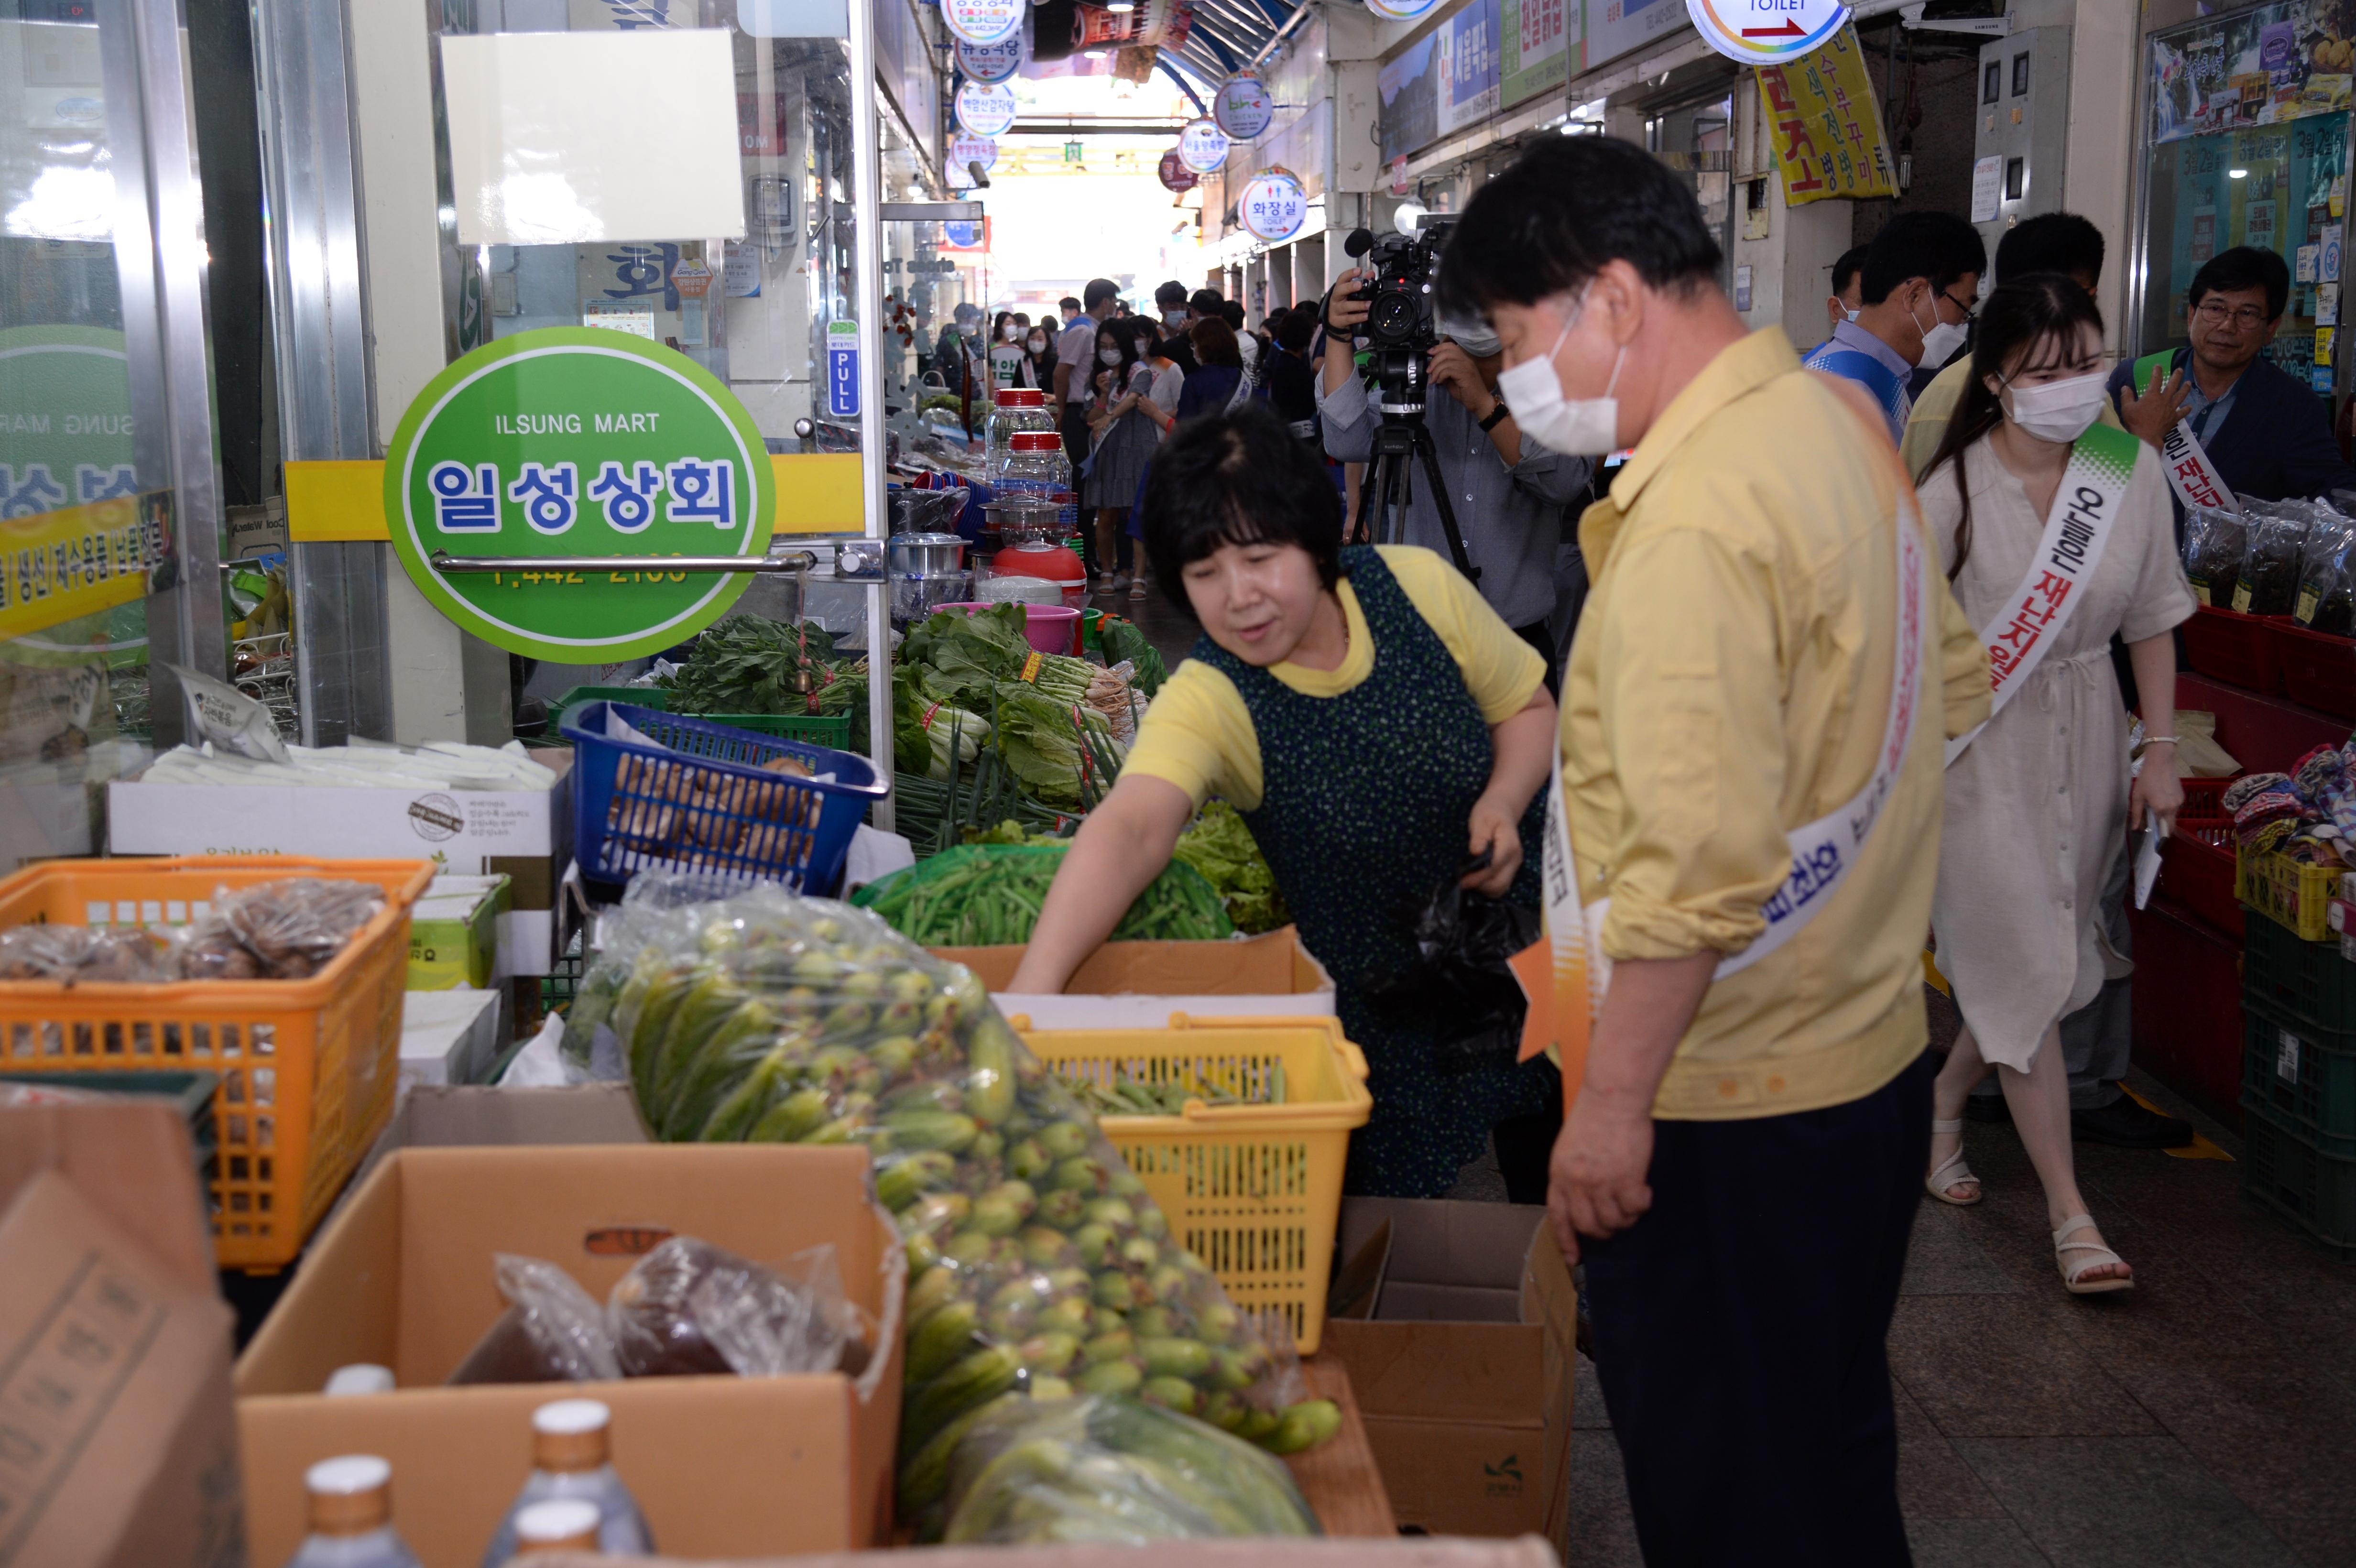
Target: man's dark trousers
1738 1330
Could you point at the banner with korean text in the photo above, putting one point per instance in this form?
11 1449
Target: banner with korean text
1826 125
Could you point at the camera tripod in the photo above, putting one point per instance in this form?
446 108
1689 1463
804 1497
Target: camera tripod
1402 442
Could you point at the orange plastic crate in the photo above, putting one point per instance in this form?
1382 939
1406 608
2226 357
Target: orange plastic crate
308 1067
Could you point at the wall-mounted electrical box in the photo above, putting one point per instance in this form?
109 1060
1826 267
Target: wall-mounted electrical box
2019 127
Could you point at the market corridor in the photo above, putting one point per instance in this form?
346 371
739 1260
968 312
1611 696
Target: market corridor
2207 1417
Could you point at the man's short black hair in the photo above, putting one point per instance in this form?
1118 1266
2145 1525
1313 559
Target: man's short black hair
1237 478
1845 271
1563 209
1232 313
1070 302
2051 242
1205 301
1171 293
2243 267
1098 291
1938 246
1294 328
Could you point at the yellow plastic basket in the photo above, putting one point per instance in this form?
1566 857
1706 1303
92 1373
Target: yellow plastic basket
307 1067
2289 892
1253 1190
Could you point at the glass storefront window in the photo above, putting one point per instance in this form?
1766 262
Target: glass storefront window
88 552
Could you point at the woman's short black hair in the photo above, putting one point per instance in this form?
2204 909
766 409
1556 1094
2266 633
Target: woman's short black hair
1237 478
1562 211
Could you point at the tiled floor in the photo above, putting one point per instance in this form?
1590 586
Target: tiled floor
2208 1417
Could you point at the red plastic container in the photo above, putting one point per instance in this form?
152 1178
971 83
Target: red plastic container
2318 668
2195 862
2234 647
1053 563
2188 1009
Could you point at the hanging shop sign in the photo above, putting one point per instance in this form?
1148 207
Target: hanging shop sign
1537 42
1763 32
1242 107
578 442
965 150
1202 146
1175 174
983 21
1401 10
1827 126
992 63
1273 205
985 109
78 542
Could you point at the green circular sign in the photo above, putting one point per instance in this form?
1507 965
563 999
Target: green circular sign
578 440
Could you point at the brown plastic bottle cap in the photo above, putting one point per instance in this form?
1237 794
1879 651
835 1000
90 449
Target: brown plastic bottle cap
350 1494
569 1434
561 1524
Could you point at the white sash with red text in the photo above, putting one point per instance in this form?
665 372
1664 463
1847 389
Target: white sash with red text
2085 504
2191 474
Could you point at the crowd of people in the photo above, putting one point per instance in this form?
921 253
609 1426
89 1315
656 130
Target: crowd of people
1783 741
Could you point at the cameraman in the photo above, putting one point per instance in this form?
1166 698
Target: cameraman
1508 497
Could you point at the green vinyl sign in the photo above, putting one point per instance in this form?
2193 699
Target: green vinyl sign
578 440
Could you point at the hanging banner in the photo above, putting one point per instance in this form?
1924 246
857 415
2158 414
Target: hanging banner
993 62
1242 107
966 151
983 21
985 109
1536 42
1763 32
1175 174
1401 10
1202 146
1273 205
1467 66
1826 124
570 442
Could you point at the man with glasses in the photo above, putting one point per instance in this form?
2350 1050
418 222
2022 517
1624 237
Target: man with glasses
2267 435
1919 277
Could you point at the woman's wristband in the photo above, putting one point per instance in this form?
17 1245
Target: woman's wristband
2159 740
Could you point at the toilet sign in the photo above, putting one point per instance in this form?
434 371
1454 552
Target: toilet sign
1273 205
1766 32
570 442
842 370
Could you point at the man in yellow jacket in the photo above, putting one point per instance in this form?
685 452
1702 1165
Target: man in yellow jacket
1752 754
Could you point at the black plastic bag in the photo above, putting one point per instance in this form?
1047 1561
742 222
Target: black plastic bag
1461 987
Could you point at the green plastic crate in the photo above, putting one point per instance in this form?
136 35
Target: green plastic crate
2308 981
816 729
2288 1174
2304 1076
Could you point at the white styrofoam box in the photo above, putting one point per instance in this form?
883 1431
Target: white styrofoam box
448 1037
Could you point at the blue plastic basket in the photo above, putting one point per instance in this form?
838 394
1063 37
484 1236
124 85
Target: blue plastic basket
697 799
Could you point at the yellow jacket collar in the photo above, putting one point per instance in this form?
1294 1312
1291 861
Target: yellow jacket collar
1739 366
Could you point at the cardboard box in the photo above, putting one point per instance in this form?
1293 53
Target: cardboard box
1464 1367
722 1466
448 1037
117 1439
454 932
1138 985
524 835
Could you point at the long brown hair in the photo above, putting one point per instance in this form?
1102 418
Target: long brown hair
2036 318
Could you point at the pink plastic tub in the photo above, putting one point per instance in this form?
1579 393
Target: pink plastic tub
1052 628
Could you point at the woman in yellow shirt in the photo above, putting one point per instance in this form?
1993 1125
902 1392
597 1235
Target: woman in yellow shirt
1373 721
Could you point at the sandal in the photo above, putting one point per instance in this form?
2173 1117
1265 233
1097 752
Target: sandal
2101 1255
1940 1180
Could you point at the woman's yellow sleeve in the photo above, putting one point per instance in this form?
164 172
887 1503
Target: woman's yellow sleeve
1198 735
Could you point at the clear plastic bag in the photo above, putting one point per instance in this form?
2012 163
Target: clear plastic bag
277 930
1112 1470
75 954
1037 1263
2214 543
552 1331
690 1308
2327 577
2268 582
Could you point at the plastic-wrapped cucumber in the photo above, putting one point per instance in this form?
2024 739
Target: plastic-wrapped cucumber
1038 1263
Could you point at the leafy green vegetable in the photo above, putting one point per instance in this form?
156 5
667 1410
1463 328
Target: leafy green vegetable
928 727
990 895
1063 752
1122 640
747 664
1219 846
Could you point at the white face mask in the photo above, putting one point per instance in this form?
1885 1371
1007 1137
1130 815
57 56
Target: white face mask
1010 332
1575 427
1940 339
2058 410
1038 345
1108 355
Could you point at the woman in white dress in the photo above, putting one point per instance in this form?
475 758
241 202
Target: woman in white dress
2037 798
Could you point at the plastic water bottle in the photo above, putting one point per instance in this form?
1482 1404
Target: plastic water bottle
1037 470
569 1460
1014 410
560 1524
351 1516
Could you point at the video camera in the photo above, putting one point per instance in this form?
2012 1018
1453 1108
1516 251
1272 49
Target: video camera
1401 312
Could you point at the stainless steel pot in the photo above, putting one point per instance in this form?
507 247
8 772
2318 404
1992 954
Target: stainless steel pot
922 555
